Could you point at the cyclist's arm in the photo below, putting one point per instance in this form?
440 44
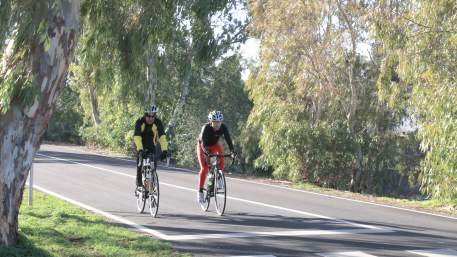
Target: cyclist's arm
162 137
227 137
204 138
137 136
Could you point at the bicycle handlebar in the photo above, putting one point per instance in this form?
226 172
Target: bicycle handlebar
222 156
145 155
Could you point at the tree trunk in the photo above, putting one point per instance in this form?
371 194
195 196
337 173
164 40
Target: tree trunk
357 171
5 9
94 105
152 82
184 93
356 180
21 128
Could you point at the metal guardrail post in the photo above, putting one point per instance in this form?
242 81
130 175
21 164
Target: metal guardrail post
31 185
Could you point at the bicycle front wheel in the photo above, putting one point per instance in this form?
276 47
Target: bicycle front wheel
154 194
140 199
220 193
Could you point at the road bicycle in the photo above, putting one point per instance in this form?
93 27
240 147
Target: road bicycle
215 186
149 192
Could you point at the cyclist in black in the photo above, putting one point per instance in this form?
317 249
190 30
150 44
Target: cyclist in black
208 142
149 132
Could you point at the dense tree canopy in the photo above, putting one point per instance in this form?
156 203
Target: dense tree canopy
419 48
341 97
357 95
321 118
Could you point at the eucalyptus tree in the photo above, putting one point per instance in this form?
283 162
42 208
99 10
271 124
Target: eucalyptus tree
134 53
418 42
204 32
308 57
315 96
41 39
220 87
102 22
119 40
5 9
117 67
433 69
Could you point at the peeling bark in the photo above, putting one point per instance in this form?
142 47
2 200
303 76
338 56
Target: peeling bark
183 95
94 105
152 82
21 128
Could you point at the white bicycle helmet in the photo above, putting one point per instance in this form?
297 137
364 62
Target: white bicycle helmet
215 116
152 110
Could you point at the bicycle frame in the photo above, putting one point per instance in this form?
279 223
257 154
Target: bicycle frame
147 170
150 185
216 184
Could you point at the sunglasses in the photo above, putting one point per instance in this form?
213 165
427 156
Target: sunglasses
150 116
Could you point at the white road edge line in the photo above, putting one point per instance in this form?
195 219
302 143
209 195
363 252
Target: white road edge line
346 254
206 236
288 188
435 252
348 199
235 198
108 215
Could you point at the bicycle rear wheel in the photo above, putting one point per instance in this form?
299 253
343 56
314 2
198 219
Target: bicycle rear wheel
220 193
154 194
140 199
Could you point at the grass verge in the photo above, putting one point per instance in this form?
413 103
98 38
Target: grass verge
53 227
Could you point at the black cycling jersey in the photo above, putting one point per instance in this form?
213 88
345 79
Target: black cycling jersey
208 136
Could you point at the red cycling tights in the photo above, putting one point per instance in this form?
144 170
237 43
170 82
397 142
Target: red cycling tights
215 149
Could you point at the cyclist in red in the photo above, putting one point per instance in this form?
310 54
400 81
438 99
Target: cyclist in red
208 142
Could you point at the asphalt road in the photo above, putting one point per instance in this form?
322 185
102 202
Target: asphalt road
260 219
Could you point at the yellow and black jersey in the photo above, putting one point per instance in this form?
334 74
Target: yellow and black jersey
147 136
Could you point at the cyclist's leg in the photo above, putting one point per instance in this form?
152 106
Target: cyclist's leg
156 155
203 166
220 150
157 152
139 178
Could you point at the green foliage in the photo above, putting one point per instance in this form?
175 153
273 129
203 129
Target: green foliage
221 89
180 35
316 100
67 119
5 12
423 44
320 109
117 123
17 87
24 26
187 132
434 95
